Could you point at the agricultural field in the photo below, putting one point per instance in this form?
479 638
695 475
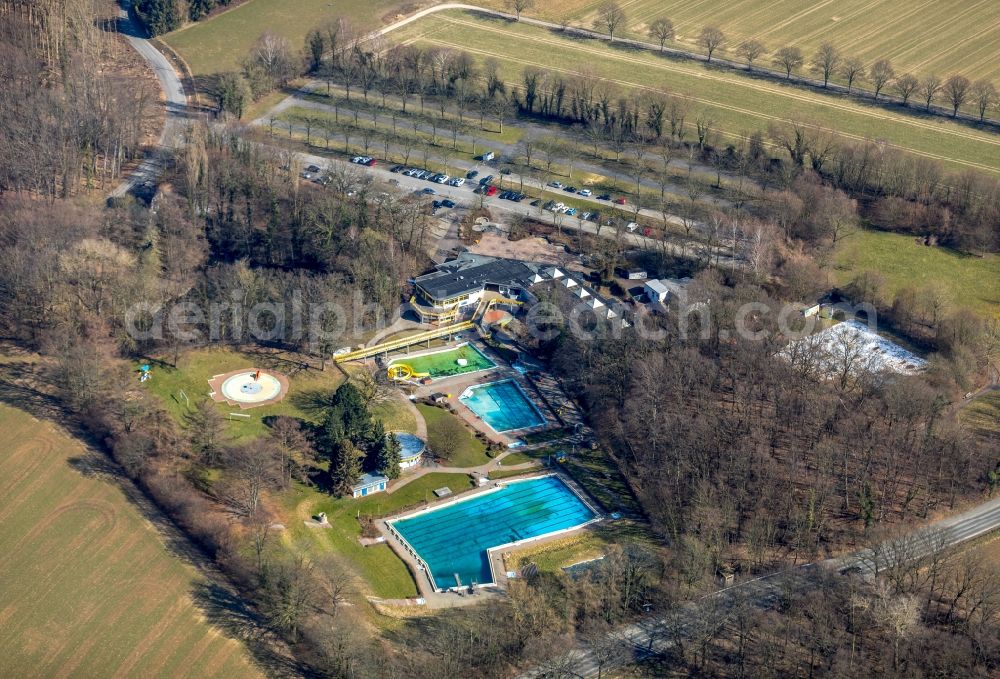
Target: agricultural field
219 44
733 102
969 281
89 588
923 37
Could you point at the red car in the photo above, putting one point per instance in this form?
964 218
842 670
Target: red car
619 201
491 191
371 162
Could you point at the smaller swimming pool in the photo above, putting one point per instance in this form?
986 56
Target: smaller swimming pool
503 405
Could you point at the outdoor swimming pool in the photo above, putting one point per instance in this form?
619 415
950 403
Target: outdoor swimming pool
453 540
445 363
502 405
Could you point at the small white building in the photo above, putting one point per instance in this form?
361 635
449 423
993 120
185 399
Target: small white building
655 291
369 484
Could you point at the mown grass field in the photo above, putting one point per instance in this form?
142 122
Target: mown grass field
735 103
927 37
469 452
377 570
88 587
969 281
307 388
221 43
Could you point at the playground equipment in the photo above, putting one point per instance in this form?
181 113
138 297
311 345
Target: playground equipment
145 372
401 371
403 342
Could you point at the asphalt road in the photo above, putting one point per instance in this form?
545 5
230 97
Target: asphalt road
656 633
174 99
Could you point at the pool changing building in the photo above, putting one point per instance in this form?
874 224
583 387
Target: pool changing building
457 286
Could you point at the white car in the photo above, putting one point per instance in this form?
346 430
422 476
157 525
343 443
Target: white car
442 178
458 181
556 185
558 207
585 192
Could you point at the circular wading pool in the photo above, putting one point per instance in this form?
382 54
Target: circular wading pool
243 388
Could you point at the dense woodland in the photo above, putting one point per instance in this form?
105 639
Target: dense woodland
738 458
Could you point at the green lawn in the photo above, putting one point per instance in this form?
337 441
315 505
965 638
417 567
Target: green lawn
970 281
735 103
471 452
220 44
381 571
306 387
90 587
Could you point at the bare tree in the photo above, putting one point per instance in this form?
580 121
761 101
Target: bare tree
984 93
880 73
610 16
711 38
956 88
662 30
751 50
520 6
825 61
904 86
789 58
853 69
929 87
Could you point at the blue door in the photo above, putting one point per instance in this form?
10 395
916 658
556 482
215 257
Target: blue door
364 491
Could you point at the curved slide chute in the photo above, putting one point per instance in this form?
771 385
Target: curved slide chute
402 371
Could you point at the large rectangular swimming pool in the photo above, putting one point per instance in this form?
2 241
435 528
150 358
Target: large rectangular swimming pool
502 405
453 540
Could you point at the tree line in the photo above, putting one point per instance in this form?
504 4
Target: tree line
163 16
827 62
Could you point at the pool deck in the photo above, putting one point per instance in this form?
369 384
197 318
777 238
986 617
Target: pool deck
429 592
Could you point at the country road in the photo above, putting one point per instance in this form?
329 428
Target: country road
655 634
175 102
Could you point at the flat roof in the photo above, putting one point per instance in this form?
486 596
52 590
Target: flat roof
367 480
469 273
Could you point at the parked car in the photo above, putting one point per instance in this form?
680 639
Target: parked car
535 202
488 155
619 201
471 174
558 207
429 191
486 180
313 169
571 211
604 196
396 168
631 226
457 181
505 170
570 189
586 215
442 178
447 203
491 190
371 162
585 192
556 185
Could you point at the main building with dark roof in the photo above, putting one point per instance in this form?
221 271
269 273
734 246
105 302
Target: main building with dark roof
460 283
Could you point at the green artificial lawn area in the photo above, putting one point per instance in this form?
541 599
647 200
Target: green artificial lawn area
382 573
221 43
470 451
969 281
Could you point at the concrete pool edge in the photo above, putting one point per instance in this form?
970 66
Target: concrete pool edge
411 554
524 394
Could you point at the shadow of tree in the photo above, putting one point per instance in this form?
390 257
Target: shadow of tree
312 401
224 610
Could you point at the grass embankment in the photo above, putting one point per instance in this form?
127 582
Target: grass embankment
308 389
983 413
442 427
968 281
734 102
378 570
221 43
937 37
89 588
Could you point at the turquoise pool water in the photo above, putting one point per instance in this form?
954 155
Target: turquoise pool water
454 539
502 405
